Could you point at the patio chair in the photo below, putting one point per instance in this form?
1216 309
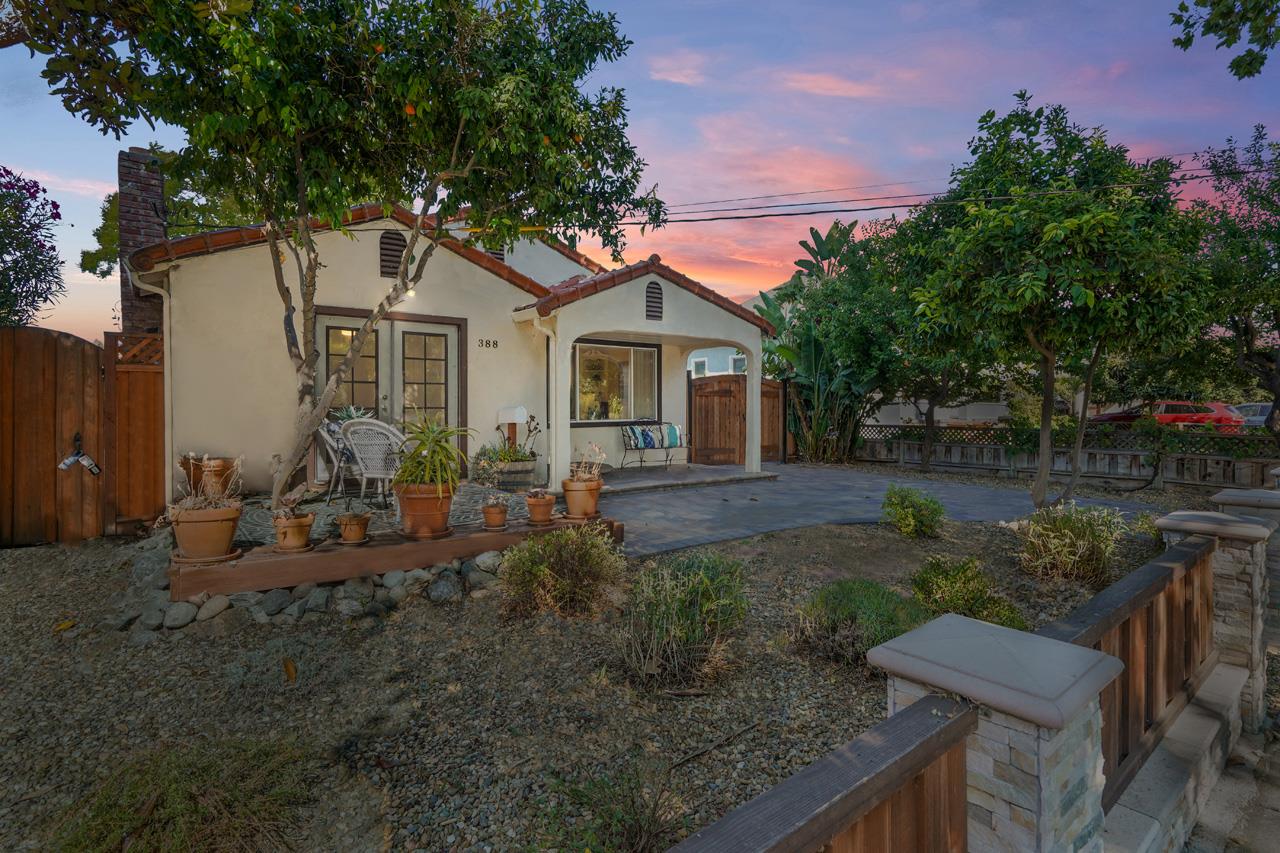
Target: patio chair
376 448
338 458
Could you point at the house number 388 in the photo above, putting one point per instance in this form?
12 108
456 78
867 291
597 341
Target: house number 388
488 343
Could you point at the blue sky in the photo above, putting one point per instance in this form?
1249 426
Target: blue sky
744 98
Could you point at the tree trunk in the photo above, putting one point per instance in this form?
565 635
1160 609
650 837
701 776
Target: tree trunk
926 447
1081 425
1040 486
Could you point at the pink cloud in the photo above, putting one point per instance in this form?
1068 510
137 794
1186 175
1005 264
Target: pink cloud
68 184
681 66
829 85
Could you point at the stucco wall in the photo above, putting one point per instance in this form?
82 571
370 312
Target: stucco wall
232 382
542 263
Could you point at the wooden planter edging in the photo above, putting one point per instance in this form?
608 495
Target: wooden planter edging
264 569
1158 620
898 787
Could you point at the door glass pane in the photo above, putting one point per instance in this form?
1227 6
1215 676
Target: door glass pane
435 346
645 376
360 388
433 396
424 376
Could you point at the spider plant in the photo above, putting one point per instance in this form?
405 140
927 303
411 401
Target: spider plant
430 456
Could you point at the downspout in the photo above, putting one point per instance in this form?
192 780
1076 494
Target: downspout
166 337
553 422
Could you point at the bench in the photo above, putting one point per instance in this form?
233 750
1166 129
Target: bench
658 437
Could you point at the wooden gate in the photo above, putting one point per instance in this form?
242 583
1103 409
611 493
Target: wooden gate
718 419
50 394
134 429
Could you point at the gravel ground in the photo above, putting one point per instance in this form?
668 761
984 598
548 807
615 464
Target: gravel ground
441 727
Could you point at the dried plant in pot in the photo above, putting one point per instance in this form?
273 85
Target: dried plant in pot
205 516
540 505
429 470
293 529
487 473
353 526
582 489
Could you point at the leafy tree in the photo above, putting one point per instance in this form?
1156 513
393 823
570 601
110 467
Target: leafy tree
1211 373
190 206
1257 22
1243 252
1074 251
297 110
30 270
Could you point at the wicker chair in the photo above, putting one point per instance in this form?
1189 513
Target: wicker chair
338 458
376 448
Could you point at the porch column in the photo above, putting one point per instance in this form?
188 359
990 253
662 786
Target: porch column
561 444
754 367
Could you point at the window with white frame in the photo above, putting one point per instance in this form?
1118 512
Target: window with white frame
699 367
614 382
739 364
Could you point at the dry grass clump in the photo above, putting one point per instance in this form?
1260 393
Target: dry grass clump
632 811
565 571
1072 543
235 796
845 620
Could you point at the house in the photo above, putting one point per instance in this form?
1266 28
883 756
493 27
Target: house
717 361
584 348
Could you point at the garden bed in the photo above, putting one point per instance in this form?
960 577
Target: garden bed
443 726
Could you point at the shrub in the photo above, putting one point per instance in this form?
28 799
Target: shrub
846 619
230 796
682 609
1072 543
566 571
1144 523
631 811
960 586
912 512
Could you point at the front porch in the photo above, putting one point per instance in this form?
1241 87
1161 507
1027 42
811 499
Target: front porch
657 478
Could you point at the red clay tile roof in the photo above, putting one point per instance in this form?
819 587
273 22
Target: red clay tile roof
579 287
233 238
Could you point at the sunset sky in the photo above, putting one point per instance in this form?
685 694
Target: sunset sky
733 98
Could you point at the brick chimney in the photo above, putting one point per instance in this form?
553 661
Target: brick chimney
141 224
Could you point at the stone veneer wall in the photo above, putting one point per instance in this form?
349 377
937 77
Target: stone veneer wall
1240 597
1029 787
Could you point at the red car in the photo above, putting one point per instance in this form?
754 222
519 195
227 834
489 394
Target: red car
1179 413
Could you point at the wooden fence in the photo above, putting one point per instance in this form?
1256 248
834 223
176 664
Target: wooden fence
1158 621
60 393
1191 458
897 788
718 419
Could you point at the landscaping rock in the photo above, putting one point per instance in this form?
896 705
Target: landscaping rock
468 566
417 576
283 619
151 617
393 579
245 599
230 622
480 579
143 638
303 590
212 607
258 616
122 618
348 607
275 601
489 561
180 614
382 595
481 593
360 589
296 609
199 600
375 608
398 594
318 600
376 580
447 587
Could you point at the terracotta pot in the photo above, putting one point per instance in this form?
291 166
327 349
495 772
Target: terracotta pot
293 534
215 471
540 508
580 497
354 526
205 533
424 510
495 515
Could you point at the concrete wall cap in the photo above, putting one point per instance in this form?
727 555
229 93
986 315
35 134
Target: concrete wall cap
1034 678
1255 498
1220 524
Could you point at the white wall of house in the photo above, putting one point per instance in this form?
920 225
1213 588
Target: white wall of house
542 263
231 379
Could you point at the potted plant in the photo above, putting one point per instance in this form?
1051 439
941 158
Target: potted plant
204 518
353 527
540 505
293 531
485 473
582 489
426 478
514 461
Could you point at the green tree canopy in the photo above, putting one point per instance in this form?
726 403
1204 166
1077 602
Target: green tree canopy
30 269
1255 22
297 111
1071 250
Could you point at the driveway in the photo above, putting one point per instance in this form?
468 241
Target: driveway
801 496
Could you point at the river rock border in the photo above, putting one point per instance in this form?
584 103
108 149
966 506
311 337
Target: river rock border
147 613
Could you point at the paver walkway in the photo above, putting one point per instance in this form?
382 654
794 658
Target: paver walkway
801 496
